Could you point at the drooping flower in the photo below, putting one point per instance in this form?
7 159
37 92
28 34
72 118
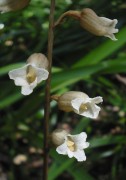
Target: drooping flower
31 74
73 146
99 26
79 103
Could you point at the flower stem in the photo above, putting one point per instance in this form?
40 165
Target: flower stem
47 91
71 13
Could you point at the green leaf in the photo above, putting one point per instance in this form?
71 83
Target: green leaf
107 140
10 100
80 173
114 66
4 70
68 77
103 51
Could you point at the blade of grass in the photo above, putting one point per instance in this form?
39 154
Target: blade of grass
103 51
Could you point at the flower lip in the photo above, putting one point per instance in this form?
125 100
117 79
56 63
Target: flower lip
28 89
71 144
30 74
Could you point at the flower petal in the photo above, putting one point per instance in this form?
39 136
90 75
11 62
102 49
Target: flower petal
97 100
33 84
83 145
114 31
80 139
115 21
76 103
80 155
108 22
20 72
26 90
62 149
20 81
92 111
70 153
111 36
42 74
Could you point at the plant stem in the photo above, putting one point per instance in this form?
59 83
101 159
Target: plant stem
71 13
47 91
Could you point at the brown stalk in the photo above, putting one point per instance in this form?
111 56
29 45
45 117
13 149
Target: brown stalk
47 91
71 13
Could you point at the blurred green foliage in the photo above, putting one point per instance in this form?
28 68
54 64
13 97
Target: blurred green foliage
81 62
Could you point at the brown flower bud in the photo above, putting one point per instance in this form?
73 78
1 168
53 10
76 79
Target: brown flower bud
58 136
39 60
12 5
99 26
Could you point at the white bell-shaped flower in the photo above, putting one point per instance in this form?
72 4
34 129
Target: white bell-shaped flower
79 103
74 146
31 74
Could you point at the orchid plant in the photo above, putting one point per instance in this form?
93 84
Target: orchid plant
38 68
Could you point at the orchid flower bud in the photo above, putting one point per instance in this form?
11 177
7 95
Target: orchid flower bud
79 103
35 70
57 136
39 60
12 5
99 26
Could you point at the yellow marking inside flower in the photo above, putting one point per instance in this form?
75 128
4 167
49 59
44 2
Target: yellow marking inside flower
83 108
31 74
71 145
